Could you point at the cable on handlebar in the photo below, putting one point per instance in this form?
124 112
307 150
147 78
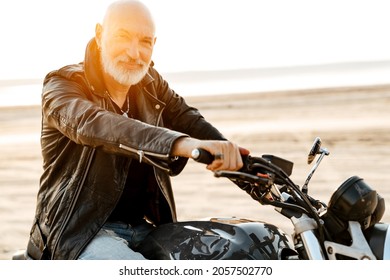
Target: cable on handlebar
280 177
301 198
285 205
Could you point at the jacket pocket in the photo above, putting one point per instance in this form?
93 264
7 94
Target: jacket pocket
52 206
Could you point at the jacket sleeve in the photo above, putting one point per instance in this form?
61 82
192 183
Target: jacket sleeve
68 111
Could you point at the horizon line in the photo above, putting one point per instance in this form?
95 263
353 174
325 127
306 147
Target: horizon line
281 70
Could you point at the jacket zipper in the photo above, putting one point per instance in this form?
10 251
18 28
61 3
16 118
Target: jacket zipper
143 155
166 169
73 202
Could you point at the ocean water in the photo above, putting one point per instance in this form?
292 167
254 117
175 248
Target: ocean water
20 95
238 81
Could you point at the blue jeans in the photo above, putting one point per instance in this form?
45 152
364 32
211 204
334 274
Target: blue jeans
116 241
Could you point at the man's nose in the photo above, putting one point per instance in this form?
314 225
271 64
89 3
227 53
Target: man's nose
132 49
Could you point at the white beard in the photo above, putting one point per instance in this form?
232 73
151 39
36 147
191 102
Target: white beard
120 74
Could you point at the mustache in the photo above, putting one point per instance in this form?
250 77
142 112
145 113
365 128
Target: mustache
127 59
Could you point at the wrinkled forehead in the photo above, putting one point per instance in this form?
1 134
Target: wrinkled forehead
131 18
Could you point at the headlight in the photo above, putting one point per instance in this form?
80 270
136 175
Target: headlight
354 200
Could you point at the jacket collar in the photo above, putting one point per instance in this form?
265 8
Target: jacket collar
93 70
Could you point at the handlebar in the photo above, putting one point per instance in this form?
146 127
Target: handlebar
203 156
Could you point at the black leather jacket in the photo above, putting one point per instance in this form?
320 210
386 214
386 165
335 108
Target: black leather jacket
87 150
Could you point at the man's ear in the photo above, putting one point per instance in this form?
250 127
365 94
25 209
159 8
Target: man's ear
98 34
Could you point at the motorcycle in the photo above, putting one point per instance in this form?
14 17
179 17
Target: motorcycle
348 227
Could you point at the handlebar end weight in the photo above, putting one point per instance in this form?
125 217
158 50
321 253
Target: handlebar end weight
202 156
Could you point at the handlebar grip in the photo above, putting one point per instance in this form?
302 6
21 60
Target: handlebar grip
202 156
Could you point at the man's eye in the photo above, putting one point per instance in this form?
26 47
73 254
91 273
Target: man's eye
147 42
121 36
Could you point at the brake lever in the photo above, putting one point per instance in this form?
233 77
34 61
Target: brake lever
237 175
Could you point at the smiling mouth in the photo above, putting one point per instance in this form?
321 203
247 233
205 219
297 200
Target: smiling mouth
131 65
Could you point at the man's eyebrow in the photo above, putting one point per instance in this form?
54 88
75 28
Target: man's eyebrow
143 35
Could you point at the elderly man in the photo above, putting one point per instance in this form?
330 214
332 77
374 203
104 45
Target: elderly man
112 134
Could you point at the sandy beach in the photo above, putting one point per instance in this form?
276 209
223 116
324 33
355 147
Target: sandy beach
353 123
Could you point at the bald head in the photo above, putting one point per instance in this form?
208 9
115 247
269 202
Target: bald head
124 12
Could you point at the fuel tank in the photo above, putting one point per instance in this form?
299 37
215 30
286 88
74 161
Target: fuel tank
218 239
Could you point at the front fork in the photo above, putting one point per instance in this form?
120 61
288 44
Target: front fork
305 241
307 245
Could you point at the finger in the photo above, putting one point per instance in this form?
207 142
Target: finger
217 164
235 159
230 160
243 151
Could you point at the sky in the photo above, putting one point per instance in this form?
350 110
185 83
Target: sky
197 35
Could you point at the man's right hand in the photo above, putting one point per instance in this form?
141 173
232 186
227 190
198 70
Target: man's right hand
228 155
